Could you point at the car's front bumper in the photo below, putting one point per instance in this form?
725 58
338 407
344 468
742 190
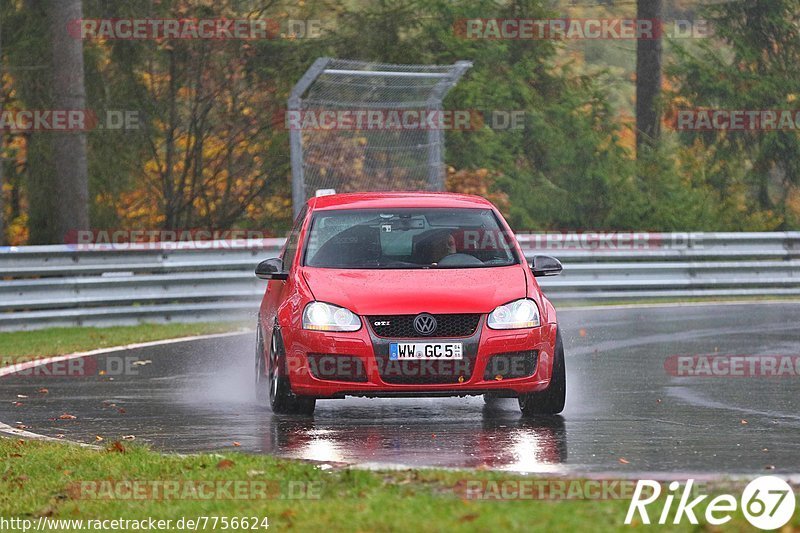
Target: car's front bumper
356 364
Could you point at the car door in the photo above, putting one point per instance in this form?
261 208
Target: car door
277 290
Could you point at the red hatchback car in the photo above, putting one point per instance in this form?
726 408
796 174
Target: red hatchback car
406 295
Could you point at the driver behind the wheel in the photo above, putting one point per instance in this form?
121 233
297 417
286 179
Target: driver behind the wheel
434 247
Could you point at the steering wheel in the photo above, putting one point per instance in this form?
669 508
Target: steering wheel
460 260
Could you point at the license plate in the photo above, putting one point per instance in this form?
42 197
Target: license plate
399 351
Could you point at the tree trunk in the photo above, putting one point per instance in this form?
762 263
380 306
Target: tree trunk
648 76
71 185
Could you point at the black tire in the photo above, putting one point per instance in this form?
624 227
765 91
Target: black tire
551 400
261 383
278 389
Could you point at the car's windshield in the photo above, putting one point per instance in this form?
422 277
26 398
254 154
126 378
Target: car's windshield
408 238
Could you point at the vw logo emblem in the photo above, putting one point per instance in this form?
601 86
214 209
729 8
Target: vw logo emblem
425 324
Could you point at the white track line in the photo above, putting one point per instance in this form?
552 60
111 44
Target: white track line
5 428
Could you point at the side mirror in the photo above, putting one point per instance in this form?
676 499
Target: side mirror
271 269
544 265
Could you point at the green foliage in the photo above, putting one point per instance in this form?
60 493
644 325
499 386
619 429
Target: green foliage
26 49
749 64
558 169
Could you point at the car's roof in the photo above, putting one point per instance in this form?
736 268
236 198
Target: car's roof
381 200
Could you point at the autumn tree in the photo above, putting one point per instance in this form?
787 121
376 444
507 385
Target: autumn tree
214 152
750 63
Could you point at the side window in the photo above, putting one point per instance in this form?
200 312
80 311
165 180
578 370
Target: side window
291 243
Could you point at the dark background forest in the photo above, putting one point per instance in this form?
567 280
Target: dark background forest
209 149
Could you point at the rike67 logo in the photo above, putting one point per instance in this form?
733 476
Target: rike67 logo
767 503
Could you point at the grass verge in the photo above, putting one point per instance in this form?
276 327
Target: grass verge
60 481
21 345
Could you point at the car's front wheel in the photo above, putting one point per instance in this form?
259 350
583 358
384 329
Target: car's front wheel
272 385
551 400
261 384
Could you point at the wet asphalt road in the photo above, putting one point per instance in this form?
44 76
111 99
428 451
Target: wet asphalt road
622 403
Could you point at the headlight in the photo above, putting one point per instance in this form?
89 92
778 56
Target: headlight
326 317
518 314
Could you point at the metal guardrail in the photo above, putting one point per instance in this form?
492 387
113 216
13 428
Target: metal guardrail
44 286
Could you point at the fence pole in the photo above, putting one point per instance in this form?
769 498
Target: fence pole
296 135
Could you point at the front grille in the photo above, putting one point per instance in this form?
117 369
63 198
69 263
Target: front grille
402 326
511 365
336 367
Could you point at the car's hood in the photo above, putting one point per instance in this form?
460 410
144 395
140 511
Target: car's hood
401 292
